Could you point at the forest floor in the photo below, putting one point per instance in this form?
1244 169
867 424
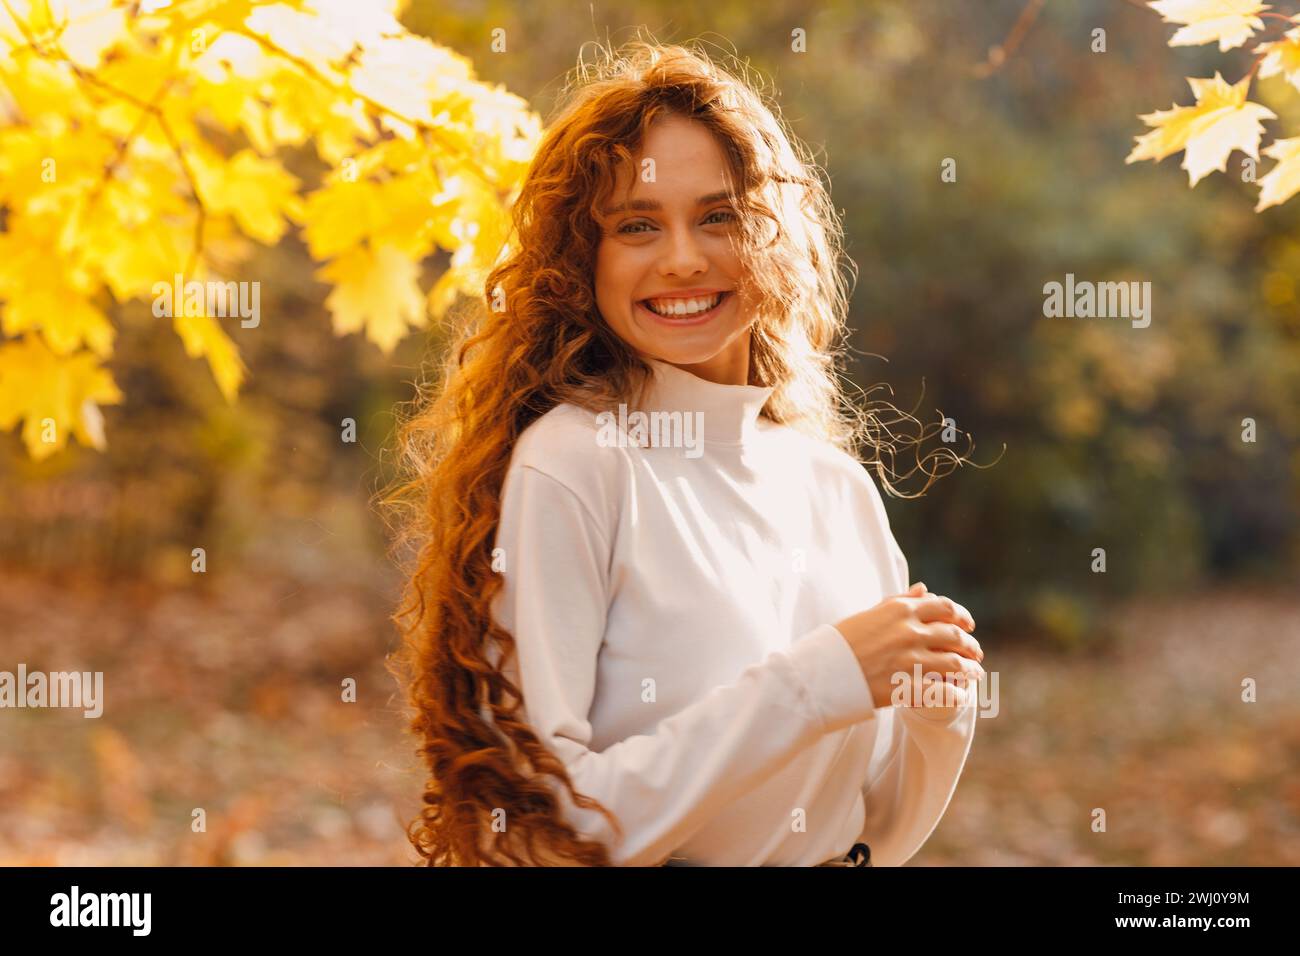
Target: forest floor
227 700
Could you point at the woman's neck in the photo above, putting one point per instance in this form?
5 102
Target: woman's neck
728 367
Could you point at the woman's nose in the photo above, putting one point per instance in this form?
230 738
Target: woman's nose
683 256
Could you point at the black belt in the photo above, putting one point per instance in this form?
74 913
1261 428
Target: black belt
858 855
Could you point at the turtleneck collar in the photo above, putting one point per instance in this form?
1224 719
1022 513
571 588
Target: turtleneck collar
730 412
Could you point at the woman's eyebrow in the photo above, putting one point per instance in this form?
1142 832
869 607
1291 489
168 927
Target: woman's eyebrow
653 205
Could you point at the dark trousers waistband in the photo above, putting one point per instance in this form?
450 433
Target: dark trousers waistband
858 855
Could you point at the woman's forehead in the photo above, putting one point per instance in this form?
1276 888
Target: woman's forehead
672 170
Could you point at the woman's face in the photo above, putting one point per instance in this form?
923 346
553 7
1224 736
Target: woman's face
666 247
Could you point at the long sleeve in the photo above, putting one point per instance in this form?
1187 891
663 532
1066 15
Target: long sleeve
919 769
665 785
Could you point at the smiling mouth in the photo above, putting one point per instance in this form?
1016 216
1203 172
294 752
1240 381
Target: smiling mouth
686 318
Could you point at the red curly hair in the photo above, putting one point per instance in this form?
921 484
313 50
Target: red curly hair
549 345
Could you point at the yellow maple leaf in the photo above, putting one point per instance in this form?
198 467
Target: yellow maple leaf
444 292
44 89
53 395
375 291
132 261
203 337
1283 180
138 231
38 290
408 220
1222 120
257 192
79 322
339 215
1231 22
1282 56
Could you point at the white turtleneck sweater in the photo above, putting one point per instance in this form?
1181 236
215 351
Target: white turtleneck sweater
674 611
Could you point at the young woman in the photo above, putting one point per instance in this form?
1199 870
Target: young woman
657 613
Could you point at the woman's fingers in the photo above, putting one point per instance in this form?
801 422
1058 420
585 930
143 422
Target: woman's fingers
951 667
950 637
942 689
936 607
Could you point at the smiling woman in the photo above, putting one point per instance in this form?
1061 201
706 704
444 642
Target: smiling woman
667 266
628 650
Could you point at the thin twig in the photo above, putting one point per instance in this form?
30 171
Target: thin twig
202 214
998 54
1254 66
112 165
156 109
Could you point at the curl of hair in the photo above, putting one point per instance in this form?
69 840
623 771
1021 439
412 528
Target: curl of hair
549 345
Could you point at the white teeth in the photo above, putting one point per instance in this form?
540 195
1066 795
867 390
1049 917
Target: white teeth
683 306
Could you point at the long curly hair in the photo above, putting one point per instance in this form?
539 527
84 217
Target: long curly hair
535 340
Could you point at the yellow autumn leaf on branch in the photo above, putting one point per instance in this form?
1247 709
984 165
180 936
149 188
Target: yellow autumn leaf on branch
53 396
147 142
374 292
79 322
1231 22
1282 56
339 216
203 337
256 192
39 291
1222 120
1283 180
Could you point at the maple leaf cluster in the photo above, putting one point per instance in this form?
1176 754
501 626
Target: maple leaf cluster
1223 118
144 139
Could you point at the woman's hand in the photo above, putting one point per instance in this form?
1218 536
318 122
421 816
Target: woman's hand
910 629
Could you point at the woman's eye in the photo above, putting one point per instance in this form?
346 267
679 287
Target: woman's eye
631 229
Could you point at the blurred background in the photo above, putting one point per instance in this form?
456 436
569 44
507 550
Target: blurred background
1118 690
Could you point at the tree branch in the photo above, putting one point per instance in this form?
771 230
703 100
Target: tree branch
998 54
147 108
311 70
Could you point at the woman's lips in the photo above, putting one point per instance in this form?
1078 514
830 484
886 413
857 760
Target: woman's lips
694 319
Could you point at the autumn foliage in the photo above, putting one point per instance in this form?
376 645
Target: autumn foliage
145 140
1223 119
